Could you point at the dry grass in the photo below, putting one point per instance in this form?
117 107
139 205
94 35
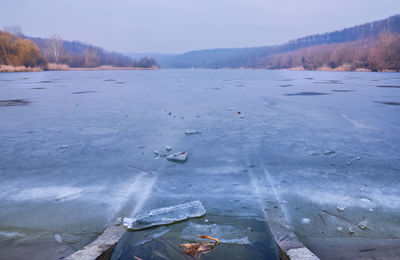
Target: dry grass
10 68
56 66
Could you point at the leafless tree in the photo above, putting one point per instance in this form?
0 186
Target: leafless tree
54 50
14 29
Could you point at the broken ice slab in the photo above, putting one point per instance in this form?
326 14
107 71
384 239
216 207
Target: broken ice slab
192 132
178 157
167 215
224 233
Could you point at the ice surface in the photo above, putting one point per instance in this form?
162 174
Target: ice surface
224 233
166 215
241 168
157 233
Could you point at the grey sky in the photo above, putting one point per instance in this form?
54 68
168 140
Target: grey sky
175 26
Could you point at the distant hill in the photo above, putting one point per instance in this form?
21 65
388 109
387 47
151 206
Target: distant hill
255 57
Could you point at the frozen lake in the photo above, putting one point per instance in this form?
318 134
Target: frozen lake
316 151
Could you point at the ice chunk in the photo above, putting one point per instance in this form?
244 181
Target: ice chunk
340 229
159 233
118 221
58 238
156 152
328 152
224 233
363 225
351 231
178 157
168 148
166 215
341 208
305 221
192 132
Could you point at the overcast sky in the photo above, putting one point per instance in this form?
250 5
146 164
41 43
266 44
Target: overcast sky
176 26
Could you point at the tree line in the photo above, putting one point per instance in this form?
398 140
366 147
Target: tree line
16 49
78 54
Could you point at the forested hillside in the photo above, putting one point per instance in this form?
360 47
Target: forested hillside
375 54
258 57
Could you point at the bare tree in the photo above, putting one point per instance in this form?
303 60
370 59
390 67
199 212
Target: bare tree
14 29
54 50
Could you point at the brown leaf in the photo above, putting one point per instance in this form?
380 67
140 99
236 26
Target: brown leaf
195 249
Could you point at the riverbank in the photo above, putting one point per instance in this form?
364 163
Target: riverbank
58 67
9 68
64 67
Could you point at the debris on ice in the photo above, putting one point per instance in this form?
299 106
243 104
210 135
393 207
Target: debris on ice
363 225
58 238
167 215
168 148
156 152
328 152
340 229
348 163
192 132
370 209
305 221
178 157
341 208
159 232
358 158
225 233
351 231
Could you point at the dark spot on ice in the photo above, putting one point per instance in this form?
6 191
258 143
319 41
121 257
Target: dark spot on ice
331 81
342 90
306 94
285 86
109 80
14 102
387 86
83 92
310 78
388 103
120 82
45 81
38 88
240 85
216 88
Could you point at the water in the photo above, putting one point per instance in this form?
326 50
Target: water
77 151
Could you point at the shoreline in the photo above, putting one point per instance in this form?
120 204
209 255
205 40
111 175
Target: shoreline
62 67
